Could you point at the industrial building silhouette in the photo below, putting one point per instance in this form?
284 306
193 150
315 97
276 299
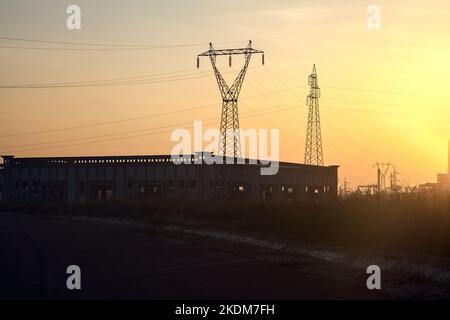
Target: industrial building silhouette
72 180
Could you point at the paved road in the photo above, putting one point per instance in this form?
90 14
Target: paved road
123 262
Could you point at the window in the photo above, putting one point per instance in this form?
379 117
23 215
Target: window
192 184
81 185
181 184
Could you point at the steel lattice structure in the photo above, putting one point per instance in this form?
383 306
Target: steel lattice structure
313 147
229 142
382 169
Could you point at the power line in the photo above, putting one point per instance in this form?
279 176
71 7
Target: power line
121 138
350 109
106 84
132 131
84 49
179 75
369 111
150 76
112 45
123 132
342 88
370 90
96 124
373 102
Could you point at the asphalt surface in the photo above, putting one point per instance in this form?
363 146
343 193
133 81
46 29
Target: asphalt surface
125 262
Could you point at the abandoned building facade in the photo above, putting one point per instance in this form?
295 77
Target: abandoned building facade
73 180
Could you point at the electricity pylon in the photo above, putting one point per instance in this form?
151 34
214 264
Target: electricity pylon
313 147
382 169
394 179
229 141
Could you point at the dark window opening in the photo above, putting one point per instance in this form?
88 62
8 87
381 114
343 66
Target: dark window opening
170 185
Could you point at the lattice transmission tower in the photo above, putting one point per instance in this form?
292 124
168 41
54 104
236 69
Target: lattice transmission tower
382 170
229 141
313 147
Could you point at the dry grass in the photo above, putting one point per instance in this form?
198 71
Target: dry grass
417 224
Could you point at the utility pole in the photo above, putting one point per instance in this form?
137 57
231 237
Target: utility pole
229 141
313 147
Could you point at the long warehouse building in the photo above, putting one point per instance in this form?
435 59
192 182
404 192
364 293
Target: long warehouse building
72 180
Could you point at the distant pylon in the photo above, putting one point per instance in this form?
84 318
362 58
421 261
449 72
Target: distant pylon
382 169
229 142
313 147
394 179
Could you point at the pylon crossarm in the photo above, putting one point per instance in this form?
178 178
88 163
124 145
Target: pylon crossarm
227 52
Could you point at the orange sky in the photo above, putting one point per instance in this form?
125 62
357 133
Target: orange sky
384 98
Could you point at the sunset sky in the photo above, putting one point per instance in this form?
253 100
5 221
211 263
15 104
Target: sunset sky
385 94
